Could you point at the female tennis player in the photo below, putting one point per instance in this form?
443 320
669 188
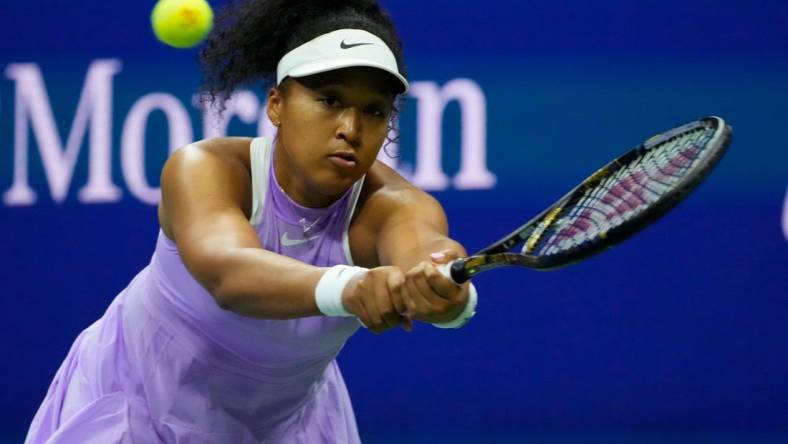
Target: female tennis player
271 252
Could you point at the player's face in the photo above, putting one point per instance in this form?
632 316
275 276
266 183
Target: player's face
332 126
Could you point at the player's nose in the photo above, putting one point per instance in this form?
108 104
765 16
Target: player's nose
349 127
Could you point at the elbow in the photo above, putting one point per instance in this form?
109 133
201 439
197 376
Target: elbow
225 302
233 299
223 294
217 279
225 283
229 296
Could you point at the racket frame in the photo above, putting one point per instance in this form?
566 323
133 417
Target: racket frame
499 254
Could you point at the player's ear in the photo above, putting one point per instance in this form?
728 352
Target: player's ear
274 107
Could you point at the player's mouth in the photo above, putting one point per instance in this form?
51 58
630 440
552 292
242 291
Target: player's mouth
343 159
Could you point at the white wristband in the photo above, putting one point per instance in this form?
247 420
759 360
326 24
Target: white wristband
466 314
328 292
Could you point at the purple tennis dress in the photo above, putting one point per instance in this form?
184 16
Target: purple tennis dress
166 364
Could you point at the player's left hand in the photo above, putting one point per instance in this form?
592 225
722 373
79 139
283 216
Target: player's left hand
431 296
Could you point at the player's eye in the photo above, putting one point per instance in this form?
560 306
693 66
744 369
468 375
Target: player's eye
375 111
330 101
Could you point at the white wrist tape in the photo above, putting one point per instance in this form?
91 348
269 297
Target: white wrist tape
466 314
328 292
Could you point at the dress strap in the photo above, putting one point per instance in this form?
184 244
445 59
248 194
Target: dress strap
357 187
260 159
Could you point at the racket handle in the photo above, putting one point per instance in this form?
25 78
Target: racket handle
455 270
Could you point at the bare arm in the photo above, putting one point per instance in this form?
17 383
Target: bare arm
407 226
206 196
417 228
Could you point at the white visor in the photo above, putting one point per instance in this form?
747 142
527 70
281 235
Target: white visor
343 48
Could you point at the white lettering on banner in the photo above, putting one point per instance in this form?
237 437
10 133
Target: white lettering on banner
132 146
391 146
243 104
95 107
785 215
33 109
432 100
264 125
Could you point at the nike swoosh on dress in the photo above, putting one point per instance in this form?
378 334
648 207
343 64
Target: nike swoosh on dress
287 242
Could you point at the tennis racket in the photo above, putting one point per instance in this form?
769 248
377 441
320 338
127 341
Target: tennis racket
617 201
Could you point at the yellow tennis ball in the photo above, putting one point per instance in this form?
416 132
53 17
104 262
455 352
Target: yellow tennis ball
182 23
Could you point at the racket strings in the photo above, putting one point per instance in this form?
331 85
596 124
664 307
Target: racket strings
623 194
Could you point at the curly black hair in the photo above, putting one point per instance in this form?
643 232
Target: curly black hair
251 36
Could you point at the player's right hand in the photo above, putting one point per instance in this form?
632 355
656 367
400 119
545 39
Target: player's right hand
376 298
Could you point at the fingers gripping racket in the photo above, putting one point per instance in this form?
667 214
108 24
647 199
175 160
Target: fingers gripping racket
617 201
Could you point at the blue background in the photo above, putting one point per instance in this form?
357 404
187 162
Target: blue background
679 335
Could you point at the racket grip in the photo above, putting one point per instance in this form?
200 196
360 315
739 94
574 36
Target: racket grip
455 270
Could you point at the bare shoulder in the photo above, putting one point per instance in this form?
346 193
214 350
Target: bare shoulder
386 194
222 148
387 201
207 172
